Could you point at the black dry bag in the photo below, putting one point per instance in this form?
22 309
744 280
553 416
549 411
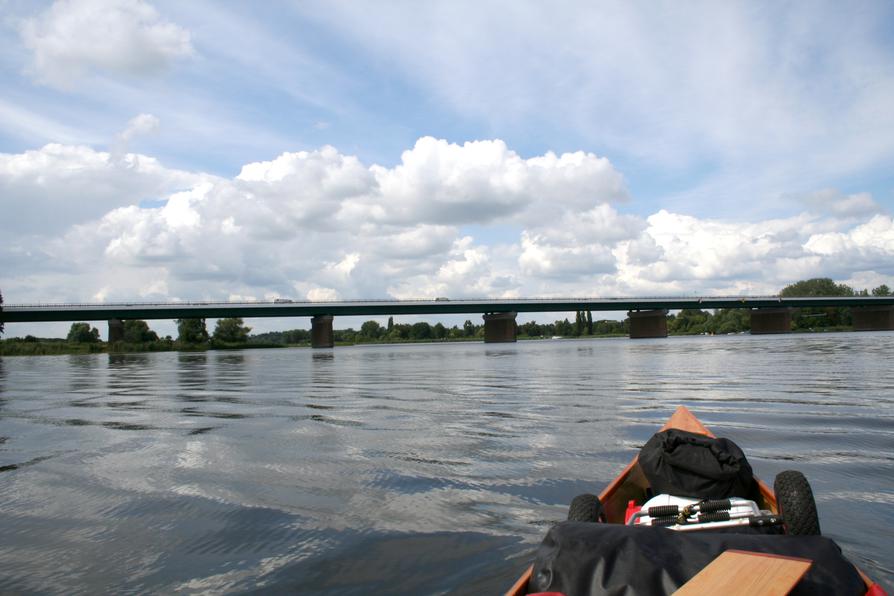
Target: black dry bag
687 464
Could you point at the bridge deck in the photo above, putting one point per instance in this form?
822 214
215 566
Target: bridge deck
30 313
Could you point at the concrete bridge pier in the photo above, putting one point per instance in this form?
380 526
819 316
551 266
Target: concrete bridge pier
648 323
873 318
499 327
321 335
116 330
771 320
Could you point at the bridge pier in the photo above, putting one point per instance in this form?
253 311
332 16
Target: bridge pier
771 320
648 323
499 327
321 335
116 330
873 318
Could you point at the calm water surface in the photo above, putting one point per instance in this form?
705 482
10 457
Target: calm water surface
402 469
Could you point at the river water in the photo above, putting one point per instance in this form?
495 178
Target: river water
402 468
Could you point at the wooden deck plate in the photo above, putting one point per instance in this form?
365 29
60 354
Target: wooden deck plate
742 573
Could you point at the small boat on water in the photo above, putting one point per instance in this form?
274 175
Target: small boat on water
775 529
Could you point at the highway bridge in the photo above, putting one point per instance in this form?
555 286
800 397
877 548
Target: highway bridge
769 314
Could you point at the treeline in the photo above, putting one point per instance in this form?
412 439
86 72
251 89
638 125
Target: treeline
40 346
136 337
373 332
830 318
725 321
233 333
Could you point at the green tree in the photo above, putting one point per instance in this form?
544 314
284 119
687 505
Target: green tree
564 328
882 290
370 330
1 311
809 318
347 336
689 322
192 331
608 327
231 331
421 330
137 332
530 329
589 323
468 329
390 323
438 331
729 320
818 286
578 323
400 331
82 333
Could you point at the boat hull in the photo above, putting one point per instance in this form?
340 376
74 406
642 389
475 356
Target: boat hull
631 484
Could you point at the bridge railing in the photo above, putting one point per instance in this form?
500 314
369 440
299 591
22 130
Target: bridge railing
281 302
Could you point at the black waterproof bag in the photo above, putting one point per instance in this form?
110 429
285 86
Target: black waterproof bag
687 464
588 559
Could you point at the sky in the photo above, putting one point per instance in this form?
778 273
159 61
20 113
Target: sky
165 151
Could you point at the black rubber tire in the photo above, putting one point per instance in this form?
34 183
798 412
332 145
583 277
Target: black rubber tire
796 504
586 508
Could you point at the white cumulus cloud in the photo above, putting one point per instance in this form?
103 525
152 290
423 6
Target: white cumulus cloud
322 295
75 37
142 124
445 183
322 225
868 246
746 101
51 188
832 201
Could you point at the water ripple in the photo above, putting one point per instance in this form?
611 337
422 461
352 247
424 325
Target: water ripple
410 468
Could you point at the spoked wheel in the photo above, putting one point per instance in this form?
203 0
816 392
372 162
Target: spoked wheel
586 508
796 504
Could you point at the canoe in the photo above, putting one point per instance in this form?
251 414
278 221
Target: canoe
631 484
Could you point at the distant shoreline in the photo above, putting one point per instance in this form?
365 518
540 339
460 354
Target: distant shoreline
59 347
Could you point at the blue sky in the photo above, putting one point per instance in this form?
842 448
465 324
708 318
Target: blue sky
447 148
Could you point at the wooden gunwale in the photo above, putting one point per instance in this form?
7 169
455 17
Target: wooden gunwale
681 419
